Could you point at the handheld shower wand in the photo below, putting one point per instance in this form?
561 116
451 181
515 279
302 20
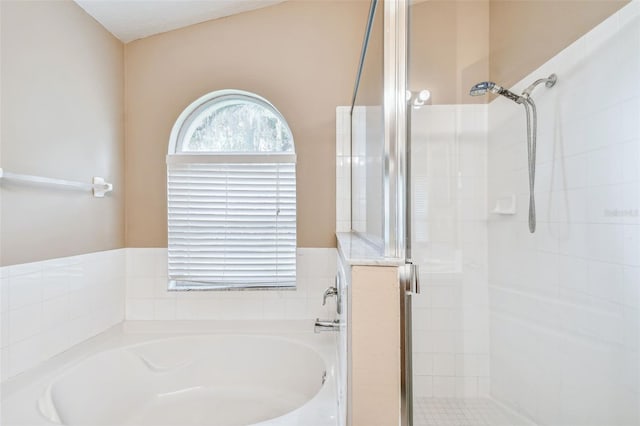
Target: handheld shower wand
532 123
489 86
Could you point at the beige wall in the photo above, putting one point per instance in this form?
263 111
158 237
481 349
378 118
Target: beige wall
62 100
448 48
457 43
525 34
371 84
302 56
62 116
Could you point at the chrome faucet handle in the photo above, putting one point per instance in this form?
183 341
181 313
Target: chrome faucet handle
330 292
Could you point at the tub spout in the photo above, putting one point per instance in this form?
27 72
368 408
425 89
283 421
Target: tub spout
326 325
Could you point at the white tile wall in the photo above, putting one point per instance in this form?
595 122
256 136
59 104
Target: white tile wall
49 306
565 322
147 297
358 169
367 146
343 169
451 316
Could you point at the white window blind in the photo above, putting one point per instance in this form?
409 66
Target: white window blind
232 221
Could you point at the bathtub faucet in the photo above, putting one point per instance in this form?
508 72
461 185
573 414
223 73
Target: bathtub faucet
326 325
330 292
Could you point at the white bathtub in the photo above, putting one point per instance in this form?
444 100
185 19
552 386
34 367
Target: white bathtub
183 374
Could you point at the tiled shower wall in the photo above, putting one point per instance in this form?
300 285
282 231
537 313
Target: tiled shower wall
49 306
343 169
148 298
367 160
449 243
565 301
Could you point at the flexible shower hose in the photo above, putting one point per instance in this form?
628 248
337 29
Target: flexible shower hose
532 119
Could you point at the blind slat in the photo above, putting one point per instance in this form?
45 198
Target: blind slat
232 224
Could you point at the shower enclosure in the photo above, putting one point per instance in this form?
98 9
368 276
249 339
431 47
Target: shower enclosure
524 220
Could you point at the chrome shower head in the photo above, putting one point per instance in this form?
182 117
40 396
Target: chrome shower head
482 88
489 86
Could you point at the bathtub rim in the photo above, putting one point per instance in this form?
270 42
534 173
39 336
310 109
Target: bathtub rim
46 403
124 332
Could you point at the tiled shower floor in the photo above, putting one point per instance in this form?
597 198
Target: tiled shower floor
464 412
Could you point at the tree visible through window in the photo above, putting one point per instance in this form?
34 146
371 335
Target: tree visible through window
239 127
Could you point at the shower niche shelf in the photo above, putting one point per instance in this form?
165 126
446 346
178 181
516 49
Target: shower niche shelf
505 205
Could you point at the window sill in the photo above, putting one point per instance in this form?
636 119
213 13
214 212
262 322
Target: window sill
176 285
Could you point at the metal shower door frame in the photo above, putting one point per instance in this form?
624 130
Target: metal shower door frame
396 178
397 185
395 128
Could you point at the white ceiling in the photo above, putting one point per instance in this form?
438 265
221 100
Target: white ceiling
133 19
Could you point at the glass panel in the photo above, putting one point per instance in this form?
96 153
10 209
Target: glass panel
367 143
546 323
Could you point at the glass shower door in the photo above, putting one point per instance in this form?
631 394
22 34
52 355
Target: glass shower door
367 135
514 327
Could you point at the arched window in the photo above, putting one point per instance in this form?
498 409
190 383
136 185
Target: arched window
231 195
